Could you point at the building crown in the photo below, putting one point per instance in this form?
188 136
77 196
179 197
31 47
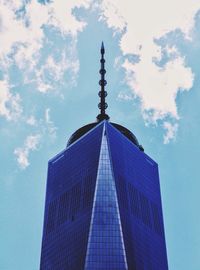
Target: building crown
102 116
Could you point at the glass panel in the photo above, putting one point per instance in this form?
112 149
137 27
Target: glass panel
105 246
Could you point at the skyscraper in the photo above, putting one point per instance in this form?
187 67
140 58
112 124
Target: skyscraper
103 204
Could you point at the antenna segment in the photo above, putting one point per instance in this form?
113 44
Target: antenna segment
102 93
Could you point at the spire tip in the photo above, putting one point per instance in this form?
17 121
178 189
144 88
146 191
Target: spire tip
102 48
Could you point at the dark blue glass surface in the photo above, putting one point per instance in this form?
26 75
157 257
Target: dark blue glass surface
103 207
105 245
69 199
138 191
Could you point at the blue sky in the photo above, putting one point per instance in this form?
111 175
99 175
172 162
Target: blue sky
49 59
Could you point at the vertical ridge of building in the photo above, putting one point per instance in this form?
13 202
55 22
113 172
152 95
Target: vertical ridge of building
105 244
102 93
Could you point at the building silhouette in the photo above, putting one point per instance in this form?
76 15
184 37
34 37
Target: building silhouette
103 204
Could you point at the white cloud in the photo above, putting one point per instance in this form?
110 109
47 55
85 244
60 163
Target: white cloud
25 32
51 129
158 87
23 36
62 17
31 121
42 128
10 106
140 24
47 116
171 130
124 96
52 71
114 18
22 153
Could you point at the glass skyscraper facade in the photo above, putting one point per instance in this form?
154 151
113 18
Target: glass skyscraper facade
103 203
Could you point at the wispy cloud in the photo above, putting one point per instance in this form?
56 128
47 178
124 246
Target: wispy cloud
27 32
160 71
38 42
50 74
22 31
171 130
43 129
125 96
22 153
50 127
31 120
10 106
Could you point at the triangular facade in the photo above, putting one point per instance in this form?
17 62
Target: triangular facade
105 244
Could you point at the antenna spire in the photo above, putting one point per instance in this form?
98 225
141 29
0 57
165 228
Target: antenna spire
102 93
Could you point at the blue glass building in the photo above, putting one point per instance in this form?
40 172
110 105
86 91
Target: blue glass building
103 204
